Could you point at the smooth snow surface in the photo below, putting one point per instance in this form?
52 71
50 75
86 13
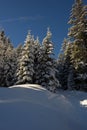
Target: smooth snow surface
31 107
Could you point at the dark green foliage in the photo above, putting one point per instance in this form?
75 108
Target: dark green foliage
78 35
47 70
72 61
7 61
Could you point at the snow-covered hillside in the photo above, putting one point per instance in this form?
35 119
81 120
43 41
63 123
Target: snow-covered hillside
31 107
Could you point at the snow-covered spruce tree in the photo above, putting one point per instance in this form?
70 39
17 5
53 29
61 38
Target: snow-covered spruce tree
17 54
62 72
64 63
10 66
47 68
7 61
25 68
36 60
78 36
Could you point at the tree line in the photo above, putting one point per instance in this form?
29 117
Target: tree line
33 62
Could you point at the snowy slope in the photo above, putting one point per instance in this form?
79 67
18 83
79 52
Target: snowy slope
31 107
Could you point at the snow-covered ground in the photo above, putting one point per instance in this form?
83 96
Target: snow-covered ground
31 107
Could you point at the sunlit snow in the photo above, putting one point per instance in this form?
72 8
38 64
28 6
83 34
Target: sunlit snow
84 103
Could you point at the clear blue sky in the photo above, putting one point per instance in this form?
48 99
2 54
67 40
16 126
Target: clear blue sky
19 16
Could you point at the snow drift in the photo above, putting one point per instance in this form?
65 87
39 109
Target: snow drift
31 107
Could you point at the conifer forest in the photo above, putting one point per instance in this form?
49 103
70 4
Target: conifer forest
34 63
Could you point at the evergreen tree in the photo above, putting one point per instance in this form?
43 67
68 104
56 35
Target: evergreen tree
18 52
36 60
47 74
25 69
78 36
7 60
10 66
64 63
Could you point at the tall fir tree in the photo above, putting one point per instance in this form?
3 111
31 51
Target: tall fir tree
64 63
78 36
47 67
37 56
7 60
17 56
25 69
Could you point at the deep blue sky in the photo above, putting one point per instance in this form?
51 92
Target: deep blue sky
19 16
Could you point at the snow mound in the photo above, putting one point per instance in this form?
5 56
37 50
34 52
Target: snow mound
83 103
31 107
30 86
